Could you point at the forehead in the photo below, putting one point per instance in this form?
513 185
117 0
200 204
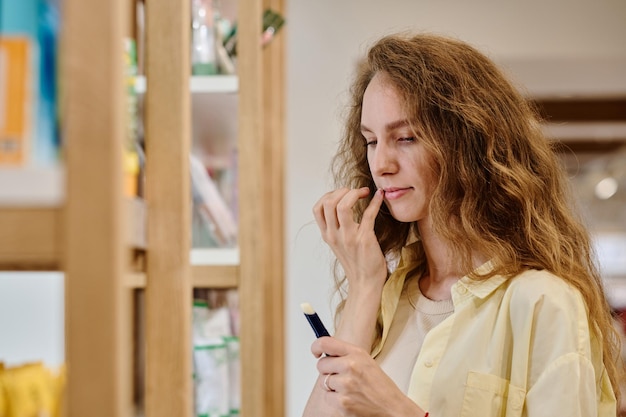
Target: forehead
382 103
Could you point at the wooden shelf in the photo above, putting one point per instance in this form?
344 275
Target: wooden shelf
214 256
215 276
215 267
208 84
80 223
202 276
135 280
30 238
32 186
136 212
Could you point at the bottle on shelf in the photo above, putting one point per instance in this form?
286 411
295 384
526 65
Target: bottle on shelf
203 51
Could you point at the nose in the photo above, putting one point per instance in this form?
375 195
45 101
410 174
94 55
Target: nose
382 159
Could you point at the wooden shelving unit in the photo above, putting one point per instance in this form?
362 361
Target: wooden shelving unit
32 186
202 84
91 233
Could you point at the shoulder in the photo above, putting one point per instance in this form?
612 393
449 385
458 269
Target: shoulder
537 285
539 293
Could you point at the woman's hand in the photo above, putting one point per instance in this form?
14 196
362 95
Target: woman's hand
352 384
357 249
354 244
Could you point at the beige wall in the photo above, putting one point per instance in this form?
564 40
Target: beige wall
325 38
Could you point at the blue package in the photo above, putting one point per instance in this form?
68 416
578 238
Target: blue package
38 20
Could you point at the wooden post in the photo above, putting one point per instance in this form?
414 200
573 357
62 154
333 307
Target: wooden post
168 288
253 224
97 346
274 201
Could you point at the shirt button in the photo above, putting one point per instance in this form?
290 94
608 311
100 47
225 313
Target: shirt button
462 290
428 363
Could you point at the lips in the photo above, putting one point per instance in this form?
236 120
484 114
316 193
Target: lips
393 193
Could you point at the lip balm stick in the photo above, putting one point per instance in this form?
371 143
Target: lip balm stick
314 320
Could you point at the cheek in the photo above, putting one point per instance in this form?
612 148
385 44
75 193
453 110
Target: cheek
423 172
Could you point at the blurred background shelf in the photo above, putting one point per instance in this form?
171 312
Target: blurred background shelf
569 78
32 186
215 276
215 267
30 238
215 256
201 84
202 276
32 235
112 252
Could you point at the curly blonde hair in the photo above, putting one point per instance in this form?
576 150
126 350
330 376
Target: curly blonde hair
500 184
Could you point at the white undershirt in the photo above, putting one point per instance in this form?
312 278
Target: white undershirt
414 317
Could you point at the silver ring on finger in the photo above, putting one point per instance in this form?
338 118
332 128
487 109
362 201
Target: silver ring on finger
326 386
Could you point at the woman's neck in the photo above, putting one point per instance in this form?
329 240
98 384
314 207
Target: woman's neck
444 267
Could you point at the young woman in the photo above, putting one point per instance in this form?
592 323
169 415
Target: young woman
469 287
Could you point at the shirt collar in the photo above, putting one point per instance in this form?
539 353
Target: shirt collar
478 288
461 290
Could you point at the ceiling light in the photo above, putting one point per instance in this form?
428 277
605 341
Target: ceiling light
606 188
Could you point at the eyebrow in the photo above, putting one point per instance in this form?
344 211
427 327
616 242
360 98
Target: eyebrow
389 126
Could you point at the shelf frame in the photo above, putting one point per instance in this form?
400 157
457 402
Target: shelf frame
31 238
168 364
87 236
202 276
98 333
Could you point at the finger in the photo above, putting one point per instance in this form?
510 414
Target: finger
329 211
330 346
345 207
318 210
318 214
316 348
370 213
330 365
329 208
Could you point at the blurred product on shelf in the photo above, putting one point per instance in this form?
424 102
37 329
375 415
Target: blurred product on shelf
132 149
216 353
225 63
31 390
213 224
203 51
272 22
28 83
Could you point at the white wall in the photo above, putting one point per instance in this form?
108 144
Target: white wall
31 318
325 37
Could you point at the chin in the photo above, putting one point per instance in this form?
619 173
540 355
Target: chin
405 217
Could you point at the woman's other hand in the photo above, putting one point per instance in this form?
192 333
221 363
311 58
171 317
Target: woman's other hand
353 384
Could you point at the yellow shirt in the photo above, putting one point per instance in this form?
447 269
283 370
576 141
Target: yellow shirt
414 317
512 347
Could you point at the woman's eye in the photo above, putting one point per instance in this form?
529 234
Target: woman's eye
372 142
409 139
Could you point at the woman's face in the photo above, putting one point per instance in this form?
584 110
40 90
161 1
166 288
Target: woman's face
398 161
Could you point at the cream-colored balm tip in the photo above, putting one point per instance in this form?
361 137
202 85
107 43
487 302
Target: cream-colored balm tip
307 309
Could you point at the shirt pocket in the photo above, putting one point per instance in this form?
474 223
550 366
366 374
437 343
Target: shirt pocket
491 396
